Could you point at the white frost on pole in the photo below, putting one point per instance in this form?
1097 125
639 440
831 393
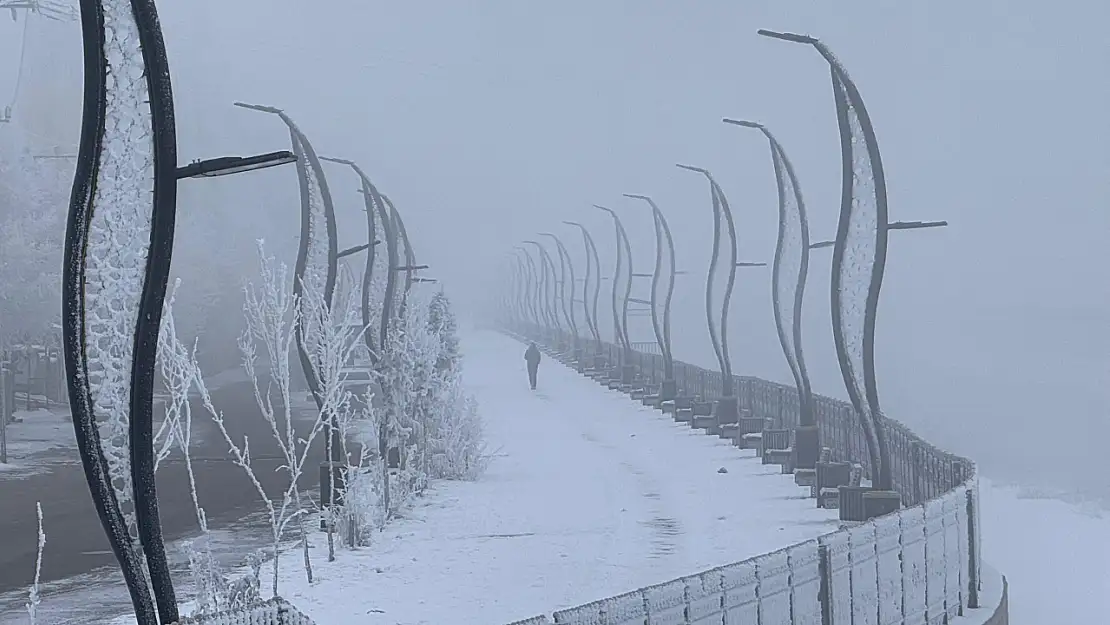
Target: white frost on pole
118 242
317 261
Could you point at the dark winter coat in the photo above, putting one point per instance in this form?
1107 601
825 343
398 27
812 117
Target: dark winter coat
532 356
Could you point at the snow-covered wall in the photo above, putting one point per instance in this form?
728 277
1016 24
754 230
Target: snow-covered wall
918 566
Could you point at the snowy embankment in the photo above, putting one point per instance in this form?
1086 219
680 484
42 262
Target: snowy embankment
589 495
1056 556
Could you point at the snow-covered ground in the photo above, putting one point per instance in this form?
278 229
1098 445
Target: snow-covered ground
38 438
589 495
1055 555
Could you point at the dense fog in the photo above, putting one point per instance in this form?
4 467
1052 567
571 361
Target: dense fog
488 122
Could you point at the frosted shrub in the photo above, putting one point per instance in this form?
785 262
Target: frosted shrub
209 581
459 449
363 508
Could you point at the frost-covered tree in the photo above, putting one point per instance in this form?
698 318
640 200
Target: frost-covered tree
33 200
430 416
272 314
179 372
442 322
337 333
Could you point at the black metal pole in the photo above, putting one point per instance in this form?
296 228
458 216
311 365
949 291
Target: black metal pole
566 288
788 284
531 292
622 281
131 189
549 288
662 281
317 259
859 261
593 270
727 407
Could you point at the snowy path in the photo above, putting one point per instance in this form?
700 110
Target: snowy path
590 495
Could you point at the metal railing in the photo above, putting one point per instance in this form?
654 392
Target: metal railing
920 564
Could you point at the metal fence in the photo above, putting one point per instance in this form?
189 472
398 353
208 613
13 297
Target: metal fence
919 565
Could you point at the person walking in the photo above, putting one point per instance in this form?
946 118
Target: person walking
532 357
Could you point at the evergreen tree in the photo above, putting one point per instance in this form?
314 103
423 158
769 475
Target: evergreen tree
441 321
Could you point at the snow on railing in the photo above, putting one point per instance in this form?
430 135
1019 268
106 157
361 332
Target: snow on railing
919 565
275 611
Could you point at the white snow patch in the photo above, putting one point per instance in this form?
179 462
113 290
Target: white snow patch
1055 556
590 495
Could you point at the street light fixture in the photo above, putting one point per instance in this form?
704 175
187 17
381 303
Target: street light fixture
549 295
379 228
788 285
317 260
662 282
566 296
227 165
589 302
726 410
531 293
859 259
622 282
124 195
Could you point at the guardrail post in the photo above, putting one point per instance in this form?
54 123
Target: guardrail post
915 474
972 550
823 594
5 415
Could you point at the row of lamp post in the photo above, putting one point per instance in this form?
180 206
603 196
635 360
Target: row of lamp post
859 256
125 183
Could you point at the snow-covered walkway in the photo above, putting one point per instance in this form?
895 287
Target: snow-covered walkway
590 495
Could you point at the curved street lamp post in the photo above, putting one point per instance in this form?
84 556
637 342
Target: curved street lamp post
788 284
317 260
726 410
589 298
566 294
859 259
622 289
549 289
379 228
118 244
662 286
531 293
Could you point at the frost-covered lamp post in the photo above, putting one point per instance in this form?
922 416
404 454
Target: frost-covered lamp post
409 268
119 238
377 276
788 285
662 288
378 229
510 312
532 294
589 297
520 296
549 290
566 296
622 289
726 410
317 258
859 258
